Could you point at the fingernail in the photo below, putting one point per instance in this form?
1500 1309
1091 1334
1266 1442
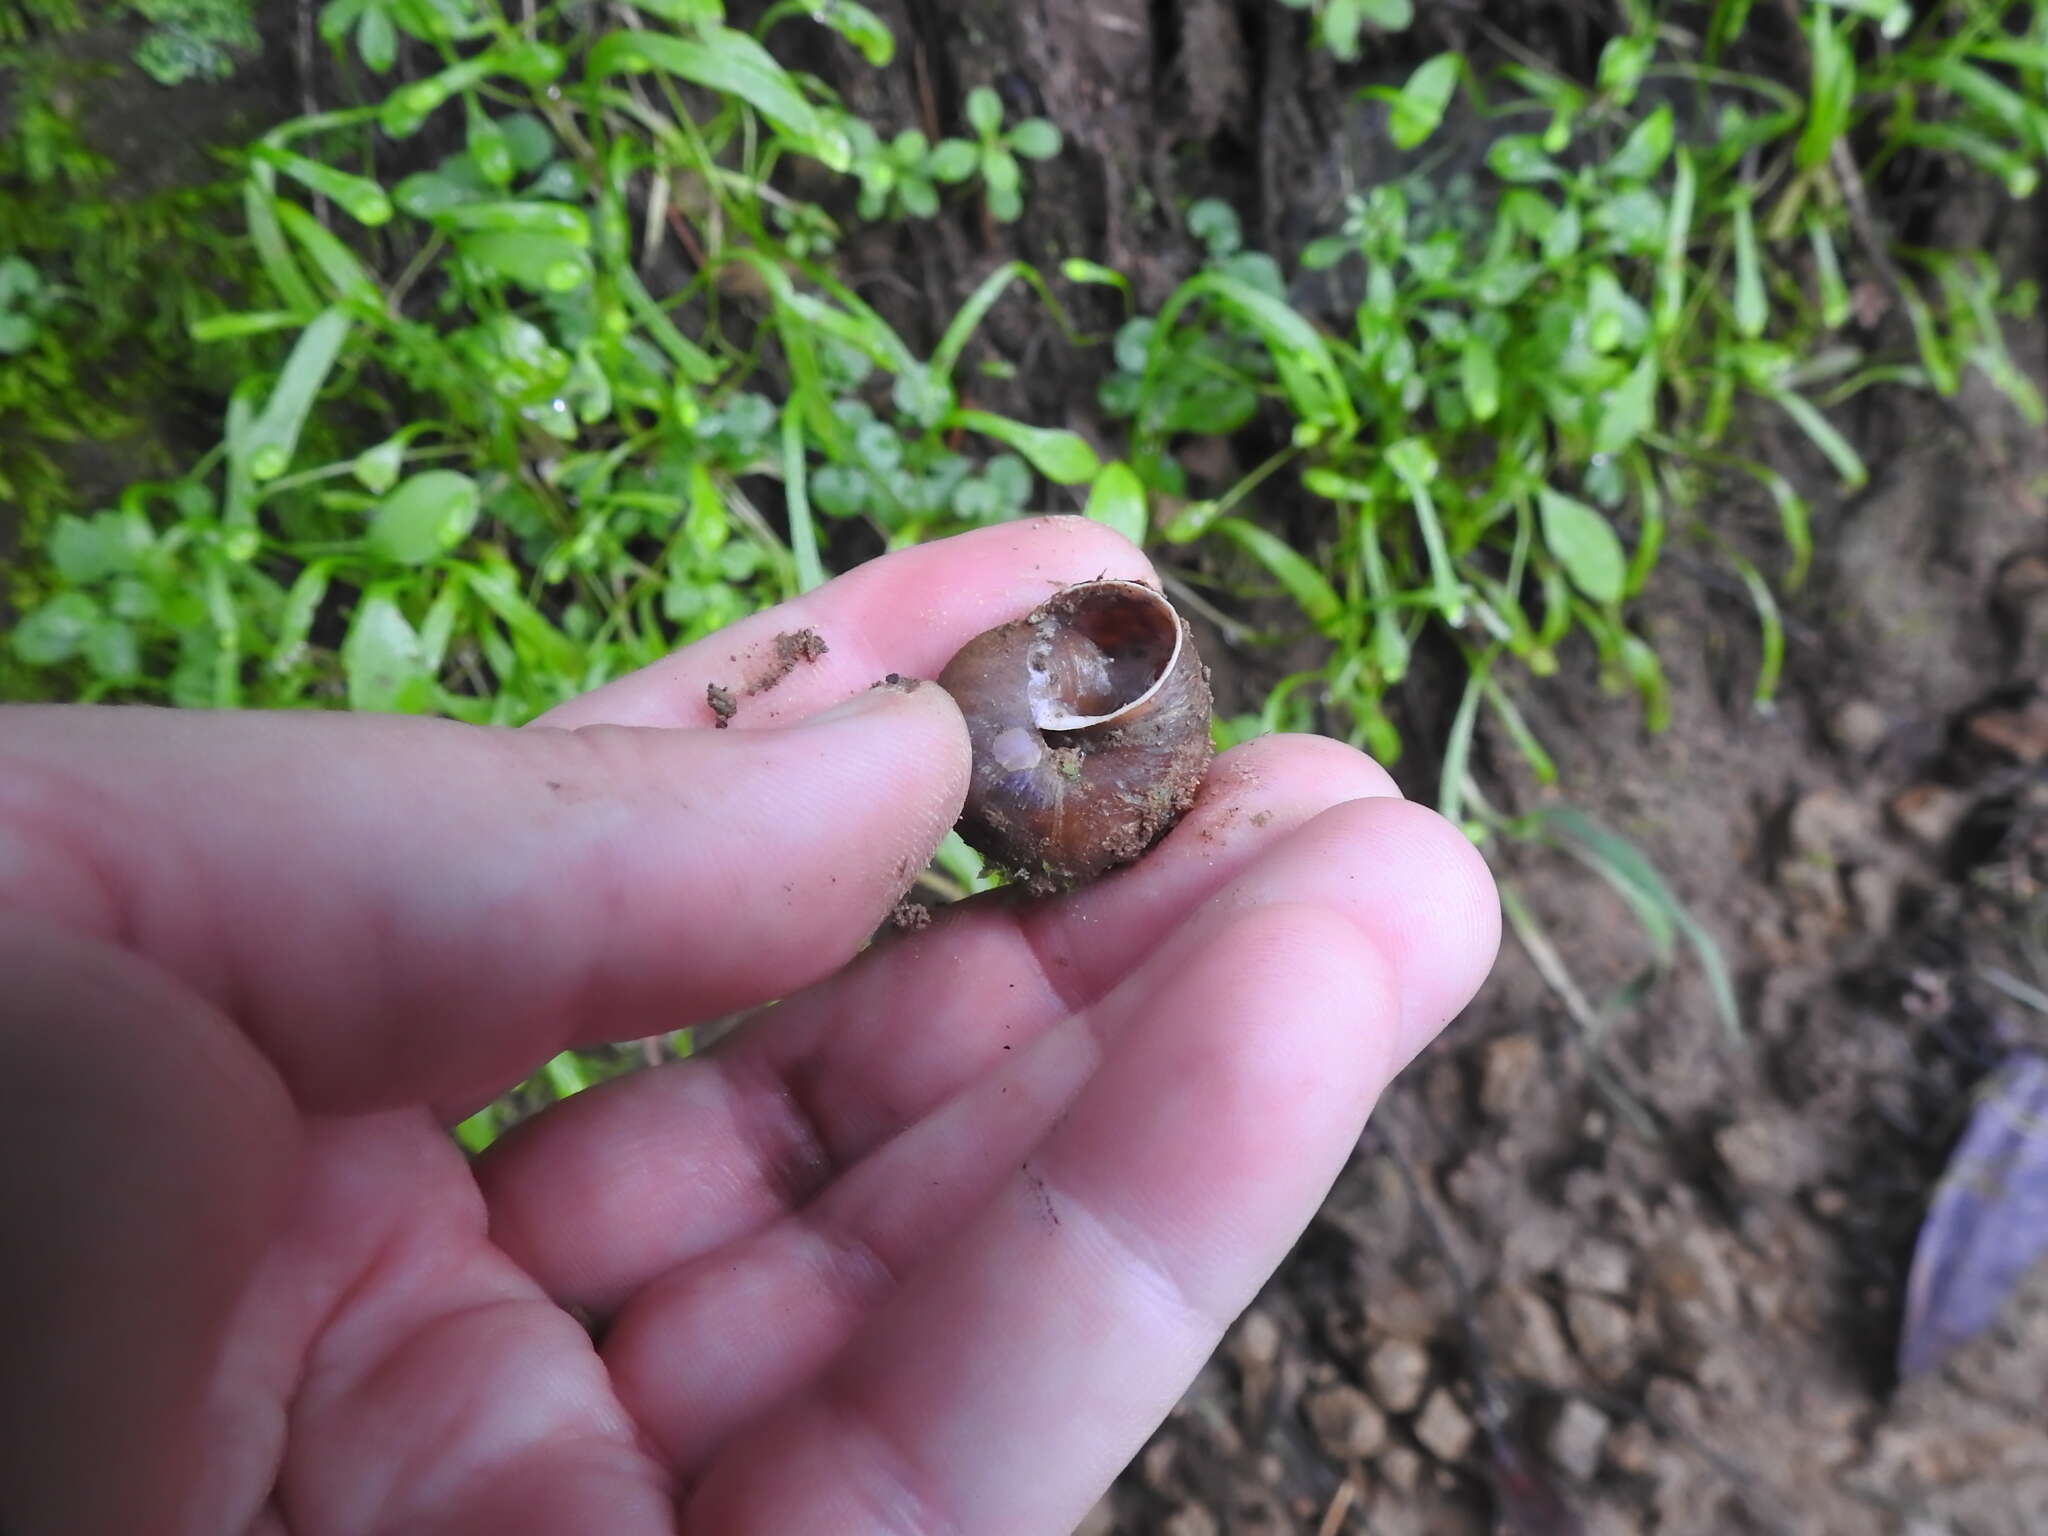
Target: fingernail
883 695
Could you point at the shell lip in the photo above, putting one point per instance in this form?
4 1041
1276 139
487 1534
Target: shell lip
1051 713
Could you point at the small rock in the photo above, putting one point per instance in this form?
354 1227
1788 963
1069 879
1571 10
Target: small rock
1400 1310
1874 896
1507 1067
1397 1370
1929 814
1401 1468
1771 1153
1347 1423
1673 1402
1634 1448
1605 1333
1598 1265
1825 825
1858 728
1444 1429
1191 1520
1256 1339
1576 1437
2021 734
1157 1467
1524 1329
1695 1278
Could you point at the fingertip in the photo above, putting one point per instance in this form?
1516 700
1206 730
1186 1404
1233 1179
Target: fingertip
1415 885
1305 763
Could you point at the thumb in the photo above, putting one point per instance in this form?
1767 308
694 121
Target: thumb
398 909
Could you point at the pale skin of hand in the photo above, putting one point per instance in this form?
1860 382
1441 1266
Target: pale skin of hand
929 1246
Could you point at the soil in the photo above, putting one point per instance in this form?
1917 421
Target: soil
791 647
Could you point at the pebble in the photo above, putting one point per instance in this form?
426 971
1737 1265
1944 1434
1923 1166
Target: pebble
1770 1153
1507 1068
1397 1370
1599 1265
1256 1340
1576 1438
1929 814
1444 1429
1604 1331
1525 1330
1191 1520
1401 1468
1858 728
1347 1422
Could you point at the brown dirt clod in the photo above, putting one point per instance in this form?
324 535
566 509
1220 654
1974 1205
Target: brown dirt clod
791 646
723 705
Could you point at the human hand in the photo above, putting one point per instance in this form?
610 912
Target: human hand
931 1245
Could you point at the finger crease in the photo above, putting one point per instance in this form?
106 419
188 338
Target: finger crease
782 1131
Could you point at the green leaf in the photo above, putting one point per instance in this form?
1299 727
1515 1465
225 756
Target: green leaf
377 40
87 551
1833 93
686 13
513 216
1752 308
301 607
1628 409
1584 543
860 27
1644 149
1063 457
56 631
425 517
1304 583
383 660
376 469
1419 108
952 160
1117 499
1308 372
110 649
721 59
337 263
489 151
1034 139
1848 464
1677 235
1338 24
537 263
362 199
984 111
1479 377
274 434
1519 157
1000 171
1622 63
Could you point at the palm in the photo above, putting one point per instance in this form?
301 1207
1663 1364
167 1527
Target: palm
931 1244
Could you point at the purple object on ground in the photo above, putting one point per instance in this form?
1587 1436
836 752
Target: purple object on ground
1988 1223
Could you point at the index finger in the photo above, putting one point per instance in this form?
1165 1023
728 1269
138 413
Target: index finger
908 612
398 909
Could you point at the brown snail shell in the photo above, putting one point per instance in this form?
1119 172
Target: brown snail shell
1089 719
